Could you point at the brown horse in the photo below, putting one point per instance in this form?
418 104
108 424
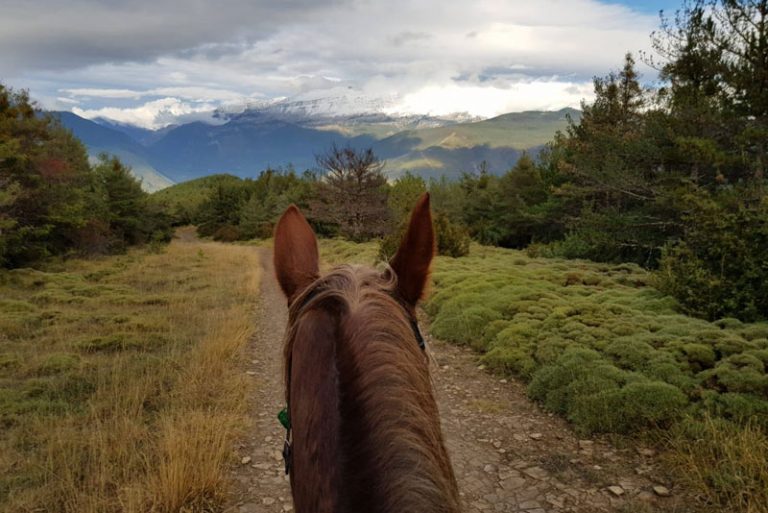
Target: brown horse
365 427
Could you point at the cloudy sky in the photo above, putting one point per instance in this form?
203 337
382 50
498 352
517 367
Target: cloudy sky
155 62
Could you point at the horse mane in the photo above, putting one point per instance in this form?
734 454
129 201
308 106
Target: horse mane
361 401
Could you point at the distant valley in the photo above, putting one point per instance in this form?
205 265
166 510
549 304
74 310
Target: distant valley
245 143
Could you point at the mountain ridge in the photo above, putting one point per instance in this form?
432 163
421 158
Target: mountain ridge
254 139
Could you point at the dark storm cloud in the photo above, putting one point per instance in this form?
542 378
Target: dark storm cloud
47 34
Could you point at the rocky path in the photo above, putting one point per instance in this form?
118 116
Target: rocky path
509 456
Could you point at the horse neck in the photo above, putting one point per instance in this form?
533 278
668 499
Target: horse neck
366 427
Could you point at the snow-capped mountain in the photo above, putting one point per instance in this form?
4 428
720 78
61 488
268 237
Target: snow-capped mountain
337 107
246 138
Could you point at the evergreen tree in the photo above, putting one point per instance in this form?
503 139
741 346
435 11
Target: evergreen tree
221 209
45 177
403 194
126 205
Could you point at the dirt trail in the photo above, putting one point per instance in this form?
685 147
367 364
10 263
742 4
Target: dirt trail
509 456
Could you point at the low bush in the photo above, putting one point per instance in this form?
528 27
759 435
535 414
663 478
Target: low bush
451 239
596 342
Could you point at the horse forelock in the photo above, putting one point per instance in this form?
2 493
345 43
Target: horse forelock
390 423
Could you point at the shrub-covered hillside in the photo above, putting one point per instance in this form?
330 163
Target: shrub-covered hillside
595 342
600 346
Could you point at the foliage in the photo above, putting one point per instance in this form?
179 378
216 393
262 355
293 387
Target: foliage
53 202
129 215
352 193
403 194
452 239
243 208
182 201
221 208
596 342
719 268
45 177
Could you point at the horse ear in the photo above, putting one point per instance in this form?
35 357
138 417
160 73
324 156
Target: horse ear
295 255
414 256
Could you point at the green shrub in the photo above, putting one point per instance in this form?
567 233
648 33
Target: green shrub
492 329
669 371
57 363
511 360
577 371
755 331
227 233
729 323
699 356
629 353
582 346
718 269
739 373
736 406
464 325
636 406
452 239
599 397
549 349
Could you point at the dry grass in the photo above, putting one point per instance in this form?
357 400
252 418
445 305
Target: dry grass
727 463
122 388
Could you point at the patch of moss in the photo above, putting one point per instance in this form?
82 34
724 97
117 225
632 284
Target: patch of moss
119 342
57 363
9 361
8 306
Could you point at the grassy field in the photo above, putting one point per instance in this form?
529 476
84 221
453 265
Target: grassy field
599 345
121 385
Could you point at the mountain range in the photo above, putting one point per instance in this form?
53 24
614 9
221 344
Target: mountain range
281 134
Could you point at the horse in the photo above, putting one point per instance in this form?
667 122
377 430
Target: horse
364 432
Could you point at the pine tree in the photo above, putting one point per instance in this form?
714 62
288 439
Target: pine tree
126 203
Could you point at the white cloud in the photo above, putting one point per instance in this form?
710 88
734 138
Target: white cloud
193 93
154 114
491 101
483 57
102 93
